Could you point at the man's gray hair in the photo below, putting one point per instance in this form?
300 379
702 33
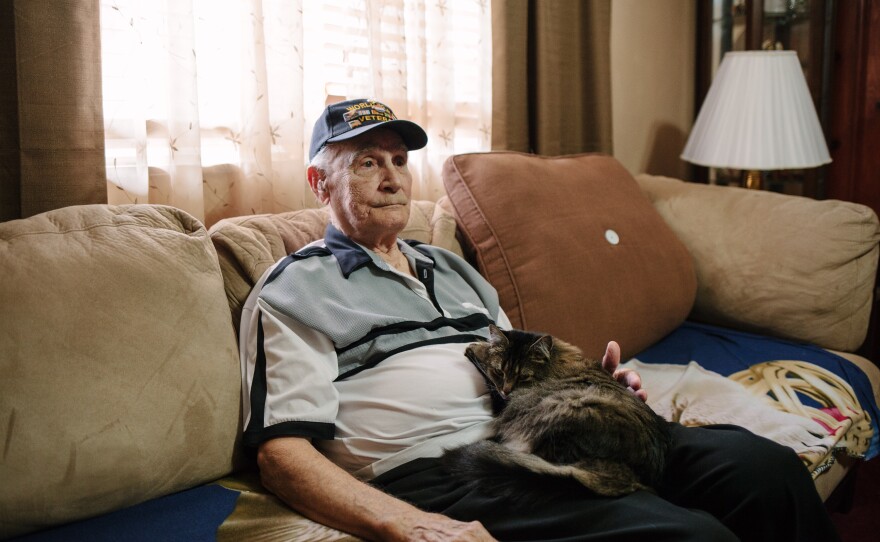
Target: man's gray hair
321 161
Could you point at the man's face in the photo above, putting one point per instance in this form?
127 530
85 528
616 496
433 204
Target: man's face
368 186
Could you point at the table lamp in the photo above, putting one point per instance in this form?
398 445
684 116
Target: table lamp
758 116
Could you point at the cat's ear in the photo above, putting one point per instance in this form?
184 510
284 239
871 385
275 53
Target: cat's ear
543 347
496 335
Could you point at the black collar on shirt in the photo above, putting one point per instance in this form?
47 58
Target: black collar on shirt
349 254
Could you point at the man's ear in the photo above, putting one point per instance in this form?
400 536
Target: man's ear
318 184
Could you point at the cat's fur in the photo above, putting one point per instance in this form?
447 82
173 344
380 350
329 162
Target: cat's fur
565 417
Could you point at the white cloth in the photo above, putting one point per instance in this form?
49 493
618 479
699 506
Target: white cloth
694 396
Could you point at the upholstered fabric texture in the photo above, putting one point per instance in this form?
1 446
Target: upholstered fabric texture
247 246
780 265
120 369
573 247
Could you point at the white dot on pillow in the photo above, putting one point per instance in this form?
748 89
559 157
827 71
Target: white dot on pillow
612 237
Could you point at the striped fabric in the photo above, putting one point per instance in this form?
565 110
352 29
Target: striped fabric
339 291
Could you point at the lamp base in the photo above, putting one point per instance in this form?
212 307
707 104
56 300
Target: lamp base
753 179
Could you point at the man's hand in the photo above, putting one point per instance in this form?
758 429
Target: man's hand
292 469
425 527
627 377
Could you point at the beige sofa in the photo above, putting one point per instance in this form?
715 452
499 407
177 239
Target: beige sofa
120 375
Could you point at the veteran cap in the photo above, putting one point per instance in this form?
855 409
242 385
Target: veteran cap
344 120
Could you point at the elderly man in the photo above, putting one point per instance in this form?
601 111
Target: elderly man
356 381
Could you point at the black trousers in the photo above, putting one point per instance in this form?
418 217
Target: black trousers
722 483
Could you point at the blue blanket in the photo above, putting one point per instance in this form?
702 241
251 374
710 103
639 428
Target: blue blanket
189 516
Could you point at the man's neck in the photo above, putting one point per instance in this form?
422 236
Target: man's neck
386 247
395 258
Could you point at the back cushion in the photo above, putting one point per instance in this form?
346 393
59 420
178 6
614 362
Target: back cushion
775 264
120 375
573 247
249 245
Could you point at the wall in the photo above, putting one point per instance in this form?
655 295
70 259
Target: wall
652 83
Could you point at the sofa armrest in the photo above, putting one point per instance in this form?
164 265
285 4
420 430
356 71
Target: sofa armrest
787 266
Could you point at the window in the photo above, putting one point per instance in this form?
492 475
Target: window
209 104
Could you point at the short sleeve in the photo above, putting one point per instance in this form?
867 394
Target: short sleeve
288 373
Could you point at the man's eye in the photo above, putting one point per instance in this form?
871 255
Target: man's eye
400 161
368 163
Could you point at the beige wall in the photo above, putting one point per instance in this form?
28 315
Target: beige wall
652 80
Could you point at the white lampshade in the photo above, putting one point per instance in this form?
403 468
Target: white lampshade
758 115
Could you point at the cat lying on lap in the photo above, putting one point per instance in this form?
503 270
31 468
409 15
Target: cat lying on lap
564 417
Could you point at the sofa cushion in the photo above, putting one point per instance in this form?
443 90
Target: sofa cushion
573 247
775 264
120 375
249 245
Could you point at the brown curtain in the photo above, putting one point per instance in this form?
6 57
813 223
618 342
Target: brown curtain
51 123
551 78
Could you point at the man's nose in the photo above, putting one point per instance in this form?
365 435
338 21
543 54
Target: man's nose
393 178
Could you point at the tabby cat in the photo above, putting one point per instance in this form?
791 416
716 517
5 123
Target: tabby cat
564 416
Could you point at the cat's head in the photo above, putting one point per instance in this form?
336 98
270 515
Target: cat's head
512 359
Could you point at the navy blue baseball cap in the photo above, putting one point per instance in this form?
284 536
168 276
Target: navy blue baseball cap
345 120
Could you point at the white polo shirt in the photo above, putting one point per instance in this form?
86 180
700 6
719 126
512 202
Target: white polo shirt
369 363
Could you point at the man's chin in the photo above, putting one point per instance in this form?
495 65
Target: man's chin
395 216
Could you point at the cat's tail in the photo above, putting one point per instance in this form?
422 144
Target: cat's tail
498 470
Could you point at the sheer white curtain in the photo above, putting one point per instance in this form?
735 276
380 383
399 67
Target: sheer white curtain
209 104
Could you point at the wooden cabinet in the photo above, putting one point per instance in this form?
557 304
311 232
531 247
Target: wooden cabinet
853 131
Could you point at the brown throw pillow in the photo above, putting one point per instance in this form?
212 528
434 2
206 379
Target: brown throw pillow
573 247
